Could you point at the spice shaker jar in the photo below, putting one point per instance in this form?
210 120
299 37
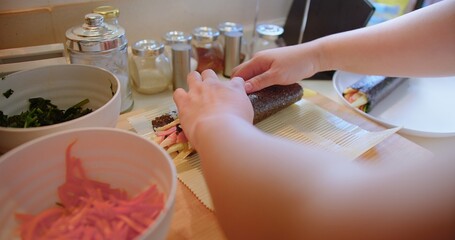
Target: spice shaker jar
109 13
208 49
151 71
180 65
226 27
104 45
267 37
178 37
232 52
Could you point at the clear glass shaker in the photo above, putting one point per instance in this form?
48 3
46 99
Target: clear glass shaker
208 49
267 37
151 71
175 37
226 27
102 45
109 13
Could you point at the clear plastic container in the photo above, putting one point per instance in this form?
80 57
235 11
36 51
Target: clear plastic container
151 69
267 37
208 49
104 45
178 37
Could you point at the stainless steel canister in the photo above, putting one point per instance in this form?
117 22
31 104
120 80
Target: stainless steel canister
181 55
232 47
103 45
226 27
175 37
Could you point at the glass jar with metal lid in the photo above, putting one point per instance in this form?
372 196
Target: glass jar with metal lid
267 37
151 71
179 37
103 45
226 27
109 13
208 49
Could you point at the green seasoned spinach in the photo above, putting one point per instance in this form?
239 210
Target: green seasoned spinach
42 112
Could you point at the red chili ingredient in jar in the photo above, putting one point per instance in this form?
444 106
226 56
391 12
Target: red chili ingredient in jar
210 58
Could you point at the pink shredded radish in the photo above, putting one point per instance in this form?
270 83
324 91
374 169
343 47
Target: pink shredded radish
167 131
89 209
169 140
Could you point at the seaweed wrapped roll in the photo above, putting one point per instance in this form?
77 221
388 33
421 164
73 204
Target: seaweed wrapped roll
370 90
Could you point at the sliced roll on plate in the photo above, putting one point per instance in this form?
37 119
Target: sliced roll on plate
370 90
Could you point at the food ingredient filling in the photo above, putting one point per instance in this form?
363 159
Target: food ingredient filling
90 209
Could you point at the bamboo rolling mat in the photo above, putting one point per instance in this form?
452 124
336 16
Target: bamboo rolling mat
304 122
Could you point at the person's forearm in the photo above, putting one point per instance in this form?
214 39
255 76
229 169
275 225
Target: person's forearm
266 187
417 44
256 180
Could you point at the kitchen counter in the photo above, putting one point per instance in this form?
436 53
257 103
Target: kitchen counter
325 88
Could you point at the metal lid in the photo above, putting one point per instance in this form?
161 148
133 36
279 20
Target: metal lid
205 34
230 27
107 11
174 37
95 35
147 47
269 31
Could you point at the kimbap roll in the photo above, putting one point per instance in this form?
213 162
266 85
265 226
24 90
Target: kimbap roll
370 90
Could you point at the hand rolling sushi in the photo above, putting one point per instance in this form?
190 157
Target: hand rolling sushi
266 102
370 90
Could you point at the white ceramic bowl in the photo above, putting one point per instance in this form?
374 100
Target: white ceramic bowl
31 173
65 85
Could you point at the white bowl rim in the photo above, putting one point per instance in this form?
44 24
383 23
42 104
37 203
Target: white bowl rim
62 124
168 206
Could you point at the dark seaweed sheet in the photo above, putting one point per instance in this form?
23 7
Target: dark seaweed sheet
376 88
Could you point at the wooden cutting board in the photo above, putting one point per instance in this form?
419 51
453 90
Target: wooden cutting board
192 220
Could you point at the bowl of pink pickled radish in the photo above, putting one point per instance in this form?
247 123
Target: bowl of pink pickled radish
87 183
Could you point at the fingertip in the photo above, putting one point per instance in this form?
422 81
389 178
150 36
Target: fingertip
208 73
178 94
238 82
248 87
194 75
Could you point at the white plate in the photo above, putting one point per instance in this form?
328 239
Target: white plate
421 106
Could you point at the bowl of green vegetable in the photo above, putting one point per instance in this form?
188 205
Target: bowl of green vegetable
48 99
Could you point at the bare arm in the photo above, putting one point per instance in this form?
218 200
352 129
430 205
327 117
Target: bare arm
269 188
420 43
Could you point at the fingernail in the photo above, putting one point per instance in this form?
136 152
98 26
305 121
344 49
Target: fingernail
248 86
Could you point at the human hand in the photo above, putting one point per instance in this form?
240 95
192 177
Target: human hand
209 98
279 66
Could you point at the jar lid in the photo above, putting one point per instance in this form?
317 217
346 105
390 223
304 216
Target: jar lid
147 47
205 34
269 31
107 11
95 35
174 37
230 27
